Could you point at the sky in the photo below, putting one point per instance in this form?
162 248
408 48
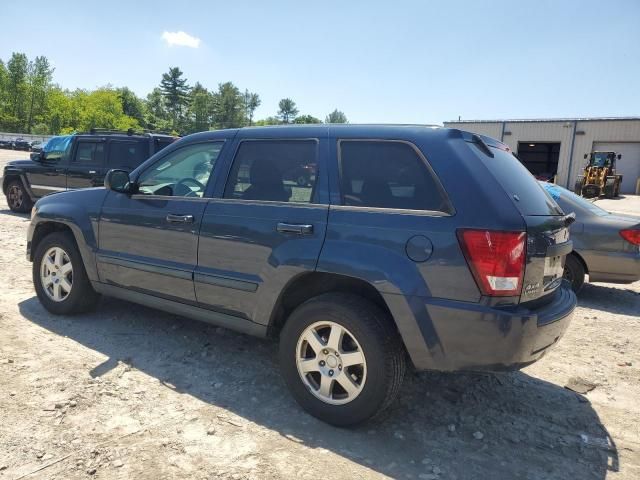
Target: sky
378 61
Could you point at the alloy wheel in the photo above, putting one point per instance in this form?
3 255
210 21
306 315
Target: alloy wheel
56 274
331 362
15 197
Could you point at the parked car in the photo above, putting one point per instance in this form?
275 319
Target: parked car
430 243
606 246
6 143
21 144
36 146
75 161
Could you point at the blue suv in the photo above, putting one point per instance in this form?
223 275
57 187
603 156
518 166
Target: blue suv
402 245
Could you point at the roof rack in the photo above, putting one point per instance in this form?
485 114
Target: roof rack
130 132
160 132
108 131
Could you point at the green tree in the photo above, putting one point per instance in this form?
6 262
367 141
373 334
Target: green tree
157 115
132 105
287 110
59 110
201 110
307 119
229 107
251 103
267 121
176 92
40 74
336 117
17 91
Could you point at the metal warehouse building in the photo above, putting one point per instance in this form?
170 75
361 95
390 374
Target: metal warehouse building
556 147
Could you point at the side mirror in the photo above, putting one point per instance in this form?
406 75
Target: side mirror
36 157
118 181
585 156
619 156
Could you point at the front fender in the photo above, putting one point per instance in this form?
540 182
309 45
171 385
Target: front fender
79 211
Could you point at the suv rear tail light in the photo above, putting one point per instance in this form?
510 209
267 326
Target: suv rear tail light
631 236
496 260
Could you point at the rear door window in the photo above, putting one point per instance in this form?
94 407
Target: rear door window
89 153
274 170
127 154
387 174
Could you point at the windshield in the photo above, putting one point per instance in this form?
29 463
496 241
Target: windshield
570 201
600 159
57 147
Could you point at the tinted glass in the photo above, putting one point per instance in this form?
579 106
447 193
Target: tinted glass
278 170
387 175
89 153
182 173
517 180
161 143
127 154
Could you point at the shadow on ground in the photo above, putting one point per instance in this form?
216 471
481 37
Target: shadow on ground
619 300
14 214
529 428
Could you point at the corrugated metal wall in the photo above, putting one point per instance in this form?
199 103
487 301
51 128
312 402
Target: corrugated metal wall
588 132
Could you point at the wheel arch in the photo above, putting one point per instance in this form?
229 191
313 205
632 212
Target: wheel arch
310 285
43 229
10 177
581 260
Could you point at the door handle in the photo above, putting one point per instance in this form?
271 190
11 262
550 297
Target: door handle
299 229
173 218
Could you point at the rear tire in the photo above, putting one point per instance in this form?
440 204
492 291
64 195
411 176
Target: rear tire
60 279
577 188
17 197
574 272
366 333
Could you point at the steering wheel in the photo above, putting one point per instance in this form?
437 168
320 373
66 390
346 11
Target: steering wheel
190 192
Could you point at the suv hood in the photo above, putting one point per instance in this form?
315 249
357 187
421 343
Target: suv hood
21 163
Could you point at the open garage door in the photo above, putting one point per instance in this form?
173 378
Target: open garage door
540 158
628 166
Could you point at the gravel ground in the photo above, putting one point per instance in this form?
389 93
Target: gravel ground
130 392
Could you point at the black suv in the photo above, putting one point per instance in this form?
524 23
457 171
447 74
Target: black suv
407 243
76 161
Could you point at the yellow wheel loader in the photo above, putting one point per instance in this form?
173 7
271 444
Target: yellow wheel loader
599 177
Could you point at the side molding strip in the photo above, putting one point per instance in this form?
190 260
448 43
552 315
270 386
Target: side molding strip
146 267
222 281
215 318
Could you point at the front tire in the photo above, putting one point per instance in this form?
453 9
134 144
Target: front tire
17 197
59 276
342 358
574 272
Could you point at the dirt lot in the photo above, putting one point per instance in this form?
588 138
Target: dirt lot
130 392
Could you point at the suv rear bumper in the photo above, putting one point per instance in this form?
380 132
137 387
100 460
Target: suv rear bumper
467 336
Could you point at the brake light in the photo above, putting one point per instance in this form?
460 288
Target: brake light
496 260
631 236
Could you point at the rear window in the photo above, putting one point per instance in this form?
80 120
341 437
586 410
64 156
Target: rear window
529 197
127 154
387 174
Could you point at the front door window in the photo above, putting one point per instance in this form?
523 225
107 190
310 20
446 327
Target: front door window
182 173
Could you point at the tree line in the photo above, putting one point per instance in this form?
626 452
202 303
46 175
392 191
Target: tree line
30 102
